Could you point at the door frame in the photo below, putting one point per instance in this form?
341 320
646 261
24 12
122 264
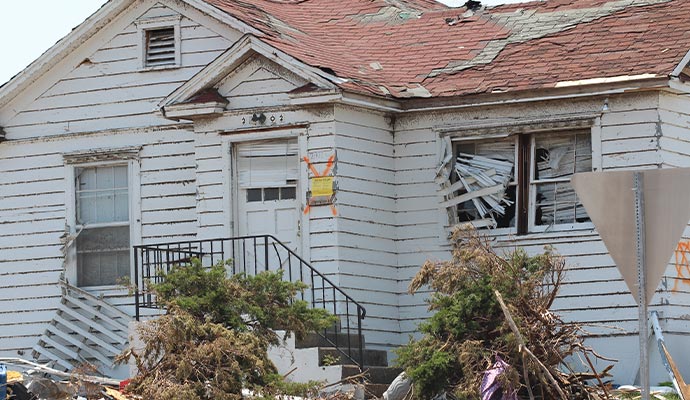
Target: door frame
231 184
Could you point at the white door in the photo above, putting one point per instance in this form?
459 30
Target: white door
267 202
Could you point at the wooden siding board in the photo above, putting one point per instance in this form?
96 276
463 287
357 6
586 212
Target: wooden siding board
630 139
367 253
116 58
106 92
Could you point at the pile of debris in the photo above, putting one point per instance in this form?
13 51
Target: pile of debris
32 381
484 180
481 182
492 329
40 382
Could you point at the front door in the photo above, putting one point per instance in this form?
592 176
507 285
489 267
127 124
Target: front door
267 201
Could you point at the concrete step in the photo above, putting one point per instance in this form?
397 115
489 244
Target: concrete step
377 358
375 375
317 340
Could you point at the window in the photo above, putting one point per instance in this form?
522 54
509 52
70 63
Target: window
556 159
486 167
102 220
520 182
256 195
268 170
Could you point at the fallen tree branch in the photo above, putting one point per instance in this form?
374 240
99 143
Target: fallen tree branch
526 376
523 348
345 380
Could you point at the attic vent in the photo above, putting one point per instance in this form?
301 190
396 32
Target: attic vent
160 47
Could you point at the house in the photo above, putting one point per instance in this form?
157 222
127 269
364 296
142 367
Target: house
349 132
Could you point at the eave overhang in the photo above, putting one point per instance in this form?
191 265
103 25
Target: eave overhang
581 89
194 110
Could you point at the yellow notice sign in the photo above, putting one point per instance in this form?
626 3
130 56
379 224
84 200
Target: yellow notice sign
322 186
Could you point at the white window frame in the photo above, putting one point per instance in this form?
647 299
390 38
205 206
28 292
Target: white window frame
150 24
134 194
532 228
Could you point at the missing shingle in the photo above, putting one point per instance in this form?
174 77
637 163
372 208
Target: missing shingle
328 71
473 5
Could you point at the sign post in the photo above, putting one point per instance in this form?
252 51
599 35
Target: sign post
638 185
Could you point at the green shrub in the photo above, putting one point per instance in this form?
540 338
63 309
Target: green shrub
468 327
213 340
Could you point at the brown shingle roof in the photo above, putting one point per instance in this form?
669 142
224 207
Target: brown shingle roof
420 48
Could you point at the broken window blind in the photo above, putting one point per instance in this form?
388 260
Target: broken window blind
102 196
160 47
484 173
556 158
268 164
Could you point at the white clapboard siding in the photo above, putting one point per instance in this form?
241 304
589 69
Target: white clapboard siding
674 146
168 189
366 198
594 291
210 174
108 89
106 92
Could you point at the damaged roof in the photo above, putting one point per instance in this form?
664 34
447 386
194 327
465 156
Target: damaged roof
420 48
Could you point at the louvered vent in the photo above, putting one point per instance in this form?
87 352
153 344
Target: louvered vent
160 47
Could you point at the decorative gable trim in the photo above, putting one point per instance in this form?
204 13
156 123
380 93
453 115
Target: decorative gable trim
232 58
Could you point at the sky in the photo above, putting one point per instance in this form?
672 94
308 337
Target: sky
29 28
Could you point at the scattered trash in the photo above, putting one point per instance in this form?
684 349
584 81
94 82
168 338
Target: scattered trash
656 392
46 388
115 394
399 388
40 382
3 381
677 380
491 388
17 391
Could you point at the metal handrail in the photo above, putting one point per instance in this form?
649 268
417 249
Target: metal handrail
153 261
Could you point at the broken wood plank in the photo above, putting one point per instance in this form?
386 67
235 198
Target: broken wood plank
459 185
473 195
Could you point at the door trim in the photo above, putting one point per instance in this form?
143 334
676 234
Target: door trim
230 143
